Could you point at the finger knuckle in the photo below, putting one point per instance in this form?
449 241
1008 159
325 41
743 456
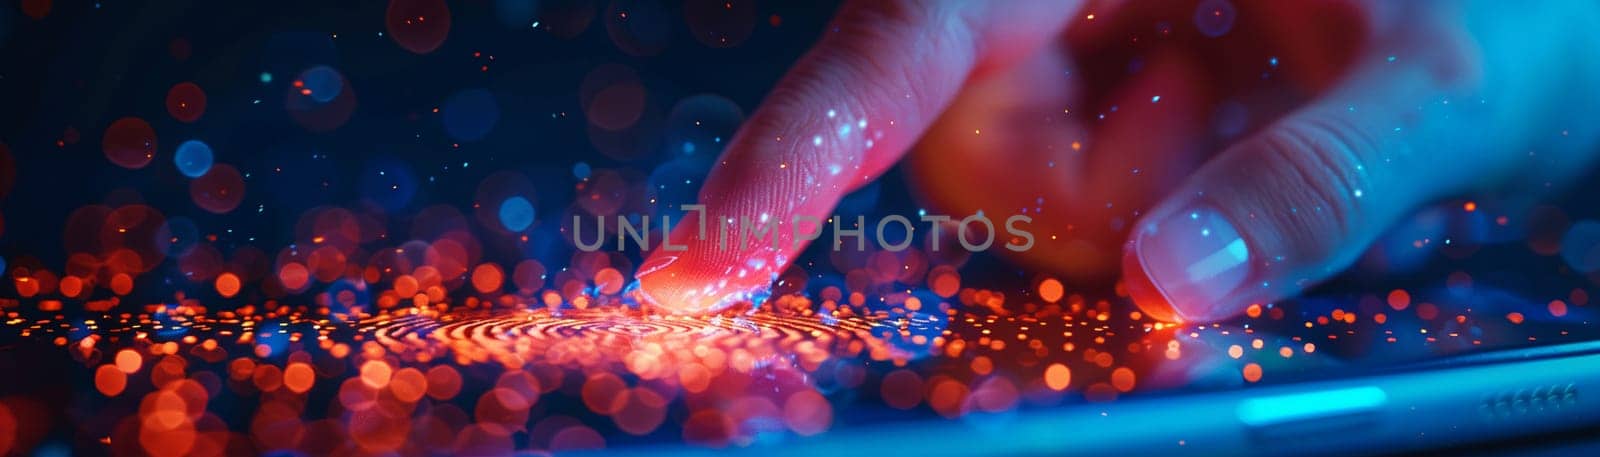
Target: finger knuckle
1313 185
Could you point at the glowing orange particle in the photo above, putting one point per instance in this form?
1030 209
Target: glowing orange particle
913 304
227 285
406 285
1051 290
109 380
128 361
121 284
1122 378
356 395
27 287
70 286
944 281
694 377
443 382
1399 299
241 369
487 278
1252 372
1057 377
981 365
408 385
294 276
1558 308
267 378
299 377
376 373
946 396
167 434
600 393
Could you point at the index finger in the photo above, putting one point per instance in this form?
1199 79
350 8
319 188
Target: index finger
881 73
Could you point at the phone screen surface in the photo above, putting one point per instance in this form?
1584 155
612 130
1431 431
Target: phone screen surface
803 364
1103 352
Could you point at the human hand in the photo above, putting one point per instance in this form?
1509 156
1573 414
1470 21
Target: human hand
1272 153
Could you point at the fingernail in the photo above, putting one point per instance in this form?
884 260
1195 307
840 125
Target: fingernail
1184 266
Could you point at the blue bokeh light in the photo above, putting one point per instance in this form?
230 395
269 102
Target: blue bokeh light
516 213
193 158
325 83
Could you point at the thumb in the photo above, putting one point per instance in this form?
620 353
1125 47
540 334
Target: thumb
1299 201
882 72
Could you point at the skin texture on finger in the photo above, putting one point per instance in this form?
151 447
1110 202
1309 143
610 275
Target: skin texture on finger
845 113
1422 118
1016 145
1098 89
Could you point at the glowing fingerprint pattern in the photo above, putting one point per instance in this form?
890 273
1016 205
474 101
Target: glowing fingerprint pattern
555 364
